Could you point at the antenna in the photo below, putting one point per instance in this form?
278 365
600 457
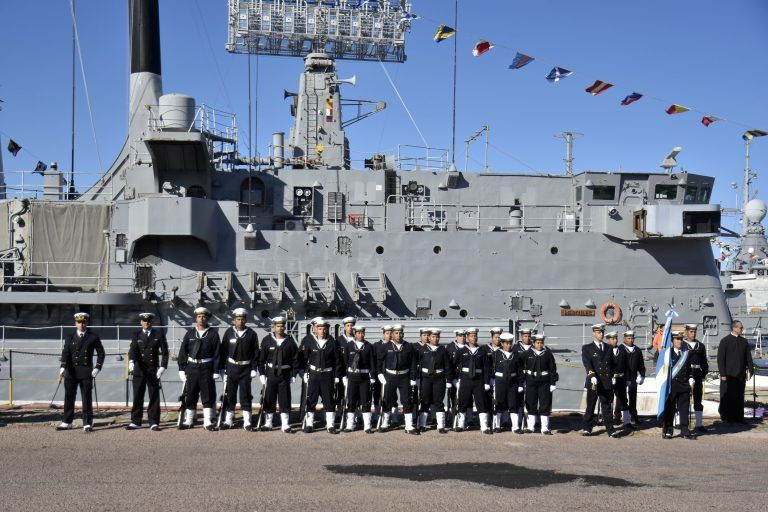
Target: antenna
568 137
71 191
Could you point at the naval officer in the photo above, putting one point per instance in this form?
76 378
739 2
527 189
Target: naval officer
198 360
239 360
78 370
620 400
699 369
679 394
147 361
597 358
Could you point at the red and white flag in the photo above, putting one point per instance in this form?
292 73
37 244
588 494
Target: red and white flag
481 47
598 87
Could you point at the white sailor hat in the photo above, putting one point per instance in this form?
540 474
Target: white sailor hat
202 311
472 330
321 321
612 334
359 328
146 316
314 320
240 312
507 336
629 334
598 327
690 327
349 320
539 337
82 316
434 330
459 332
278 320
387 328
397 327
677 334
496 330
524 330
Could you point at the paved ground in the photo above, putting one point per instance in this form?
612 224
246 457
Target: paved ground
113 469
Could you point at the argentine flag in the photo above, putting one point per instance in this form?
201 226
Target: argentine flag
663 371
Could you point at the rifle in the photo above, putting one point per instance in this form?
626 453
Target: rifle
455 408
182 405
343 406
162 392
261 406
381 408
303 404
223 401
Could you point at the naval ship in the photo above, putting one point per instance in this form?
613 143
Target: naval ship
183 219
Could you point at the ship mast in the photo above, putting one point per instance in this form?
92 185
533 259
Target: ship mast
748 175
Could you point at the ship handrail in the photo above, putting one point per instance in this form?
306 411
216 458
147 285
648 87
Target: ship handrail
102 278
30 185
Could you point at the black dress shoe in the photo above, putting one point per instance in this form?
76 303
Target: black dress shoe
497 430
265 429
518 431
211 428
442 431
308 429
667 435
287 431
154 428
132 427
332 430
368 431
586 433
458 429
248 428
702 429
224 426
413 432
488 431
87 429
183 426
615 434
547 432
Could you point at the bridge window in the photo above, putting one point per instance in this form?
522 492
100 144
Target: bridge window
603 193
704 193
252 192
690 193
665 192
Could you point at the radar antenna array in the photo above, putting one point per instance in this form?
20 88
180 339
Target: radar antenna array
368 31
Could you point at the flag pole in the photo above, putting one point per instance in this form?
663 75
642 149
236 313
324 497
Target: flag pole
455 50
71 194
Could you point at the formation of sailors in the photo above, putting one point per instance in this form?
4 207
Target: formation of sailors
509 383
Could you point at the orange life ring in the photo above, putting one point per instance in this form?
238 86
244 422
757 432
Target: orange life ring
616 313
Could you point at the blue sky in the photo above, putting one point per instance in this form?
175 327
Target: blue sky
704 54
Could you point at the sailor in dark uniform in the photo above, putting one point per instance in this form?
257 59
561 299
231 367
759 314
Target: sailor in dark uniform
473 367
699 368
77 370
323 369
436 371
240 361
386 336
278 367
397 371
490 349
597 358
505 365
360 364
541 381
679 394
460 340
635 374
198 359
423 337
147 361
349 330
521 350
621 402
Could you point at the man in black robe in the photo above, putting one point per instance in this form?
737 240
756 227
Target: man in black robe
734 362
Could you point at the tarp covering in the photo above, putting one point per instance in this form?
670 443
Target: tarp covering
68 244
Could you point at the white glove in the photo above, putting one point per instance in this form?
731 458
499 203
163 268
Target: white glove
216 376
449 385
613 381
520 389
160 372
291 380
131 366
373 381
552 388
413 383
487 387
344 380
253 374
61 371
593 380
382 379
640 379
263 379
183 376
690 382
96 371
306 377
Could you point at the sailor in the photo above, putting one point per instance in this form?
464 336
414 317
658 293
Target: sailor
597 358
697 352
679 393
493 346
323 368
635 374
360 364
423 337
473 367
621 403
278 367
397 371
77 370
506 383
198 360
460 339
240 361
521 349
541 381
147 361
436 371
349 329
734 362
386 336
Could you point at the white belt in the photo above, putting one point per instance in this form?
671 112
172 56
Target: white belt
239 363
361 370
397 372
696 366
437 370
466 370
501 374
321 370
618 375
284 367
200 361
529 372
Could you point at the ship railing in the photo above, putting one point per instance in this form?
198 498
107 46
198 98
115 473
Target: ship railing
52 276
421 158
51 185
208 120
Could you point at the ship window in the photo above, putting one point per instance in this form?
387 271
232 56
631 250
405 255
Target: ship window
578 194
704 192
603 193
690 193
666 192
196 191
252 192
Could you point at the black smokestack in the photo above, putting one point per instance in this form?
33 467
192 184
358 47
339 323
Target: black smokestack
144 20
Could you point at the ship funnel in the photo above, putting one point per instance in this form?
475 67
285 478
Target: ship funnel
146 83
